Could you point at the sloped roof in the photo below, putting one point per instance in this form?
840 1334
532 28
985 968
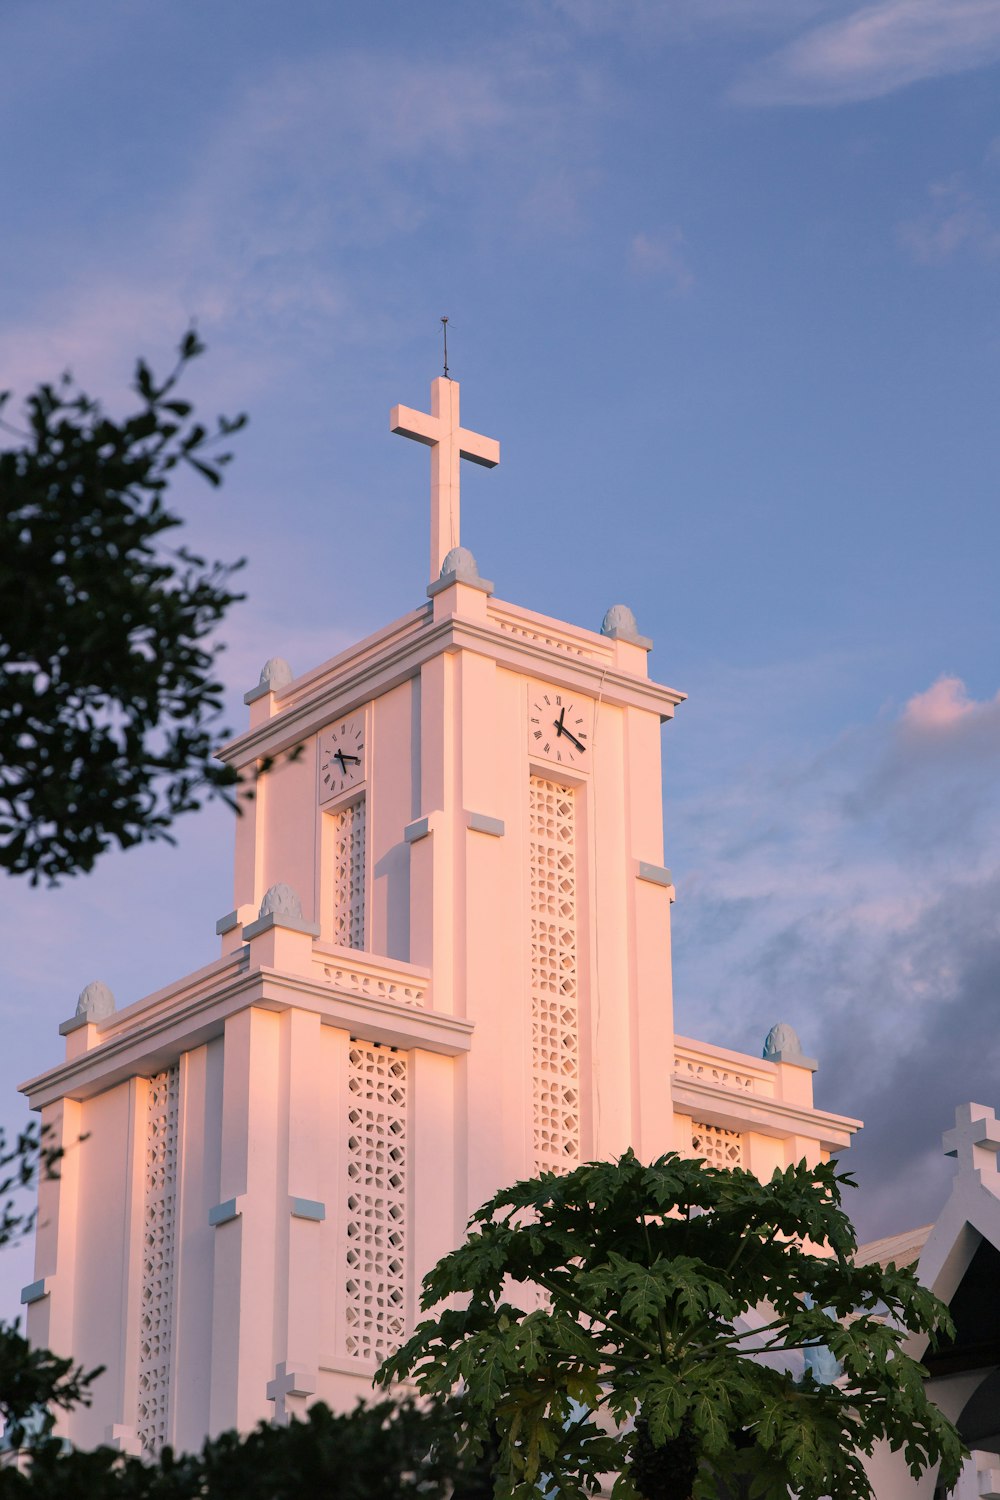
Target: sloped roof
900 1249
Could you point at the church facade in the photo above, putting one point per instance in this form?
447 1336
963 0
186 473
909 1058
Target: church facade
446 967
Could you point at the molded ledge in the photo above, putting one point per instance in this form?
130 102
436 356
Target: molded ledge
480 823
224 1213
123 1438
274 919
616 633
66 1028
397 653
741 1110
182 1017
421 827
794 1060
447 579
288 1382
262 690
340 1364
308 1208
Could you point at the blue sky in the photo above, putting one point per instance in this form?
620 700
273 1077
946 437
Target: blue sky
722 277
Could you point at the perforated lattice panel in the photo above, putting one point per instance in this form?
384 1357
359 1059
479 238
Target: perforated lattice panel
349 875
156 1315
720 1147
376 1204
555 986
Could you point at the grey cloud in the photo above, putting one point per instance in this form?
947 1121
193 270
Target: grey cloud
942 1050
860 902
931 783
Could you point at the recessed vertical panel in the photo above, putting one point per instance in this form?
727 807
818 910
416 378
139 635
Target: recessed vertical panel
156 1316
376 1240
555 975
349 861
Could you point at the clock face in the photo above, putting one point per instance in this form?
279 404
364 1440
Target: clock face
342 756
560 726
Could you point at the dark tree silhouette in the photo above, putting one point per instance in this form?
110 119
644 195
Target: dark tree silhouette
109 701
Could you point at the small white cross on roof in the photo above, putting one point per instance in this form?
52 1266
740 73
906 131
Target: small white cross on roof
974 1139
449 442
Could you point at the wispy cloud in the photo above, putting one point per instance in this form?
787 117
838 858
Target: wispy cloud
92 333
662 253
270 233
956 220
853 889
652 20
875 50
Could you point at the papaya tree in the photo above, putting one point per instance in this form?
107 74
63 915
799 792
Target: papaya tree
679 1332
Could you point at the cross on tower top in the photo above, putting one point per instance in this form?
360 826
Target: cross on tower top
449 442
974 1139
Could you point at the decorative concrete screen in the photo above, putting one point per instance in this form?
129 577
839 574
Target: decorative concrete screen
720 1147
156 1316
375 1304
555 978
349 875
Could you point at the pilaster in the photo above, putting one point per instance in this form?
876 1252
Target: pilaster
653 1020
300 1307
605 891
123 1432
438 1169
431 837
245 1222
50 1315
200 1117
490 932
651 893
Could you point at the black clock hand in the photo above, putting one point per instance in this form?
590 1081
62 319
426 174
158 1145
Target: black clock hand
339 755
561 729
355 758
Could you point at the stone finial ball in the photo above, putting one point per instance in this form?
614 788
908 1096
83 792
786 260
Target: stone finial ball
782 1040
621 619
96 1001
460 561
275 673
281 901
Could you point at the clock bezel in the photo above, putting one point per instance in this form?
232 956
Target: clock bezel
575 762
357 783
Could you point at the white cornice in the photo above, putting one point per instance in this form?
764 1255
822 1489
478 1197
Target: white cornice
382 662
156 1039
370 648
738 1109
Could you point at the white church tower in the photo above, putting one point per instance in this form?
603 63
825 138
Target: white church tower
447 967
